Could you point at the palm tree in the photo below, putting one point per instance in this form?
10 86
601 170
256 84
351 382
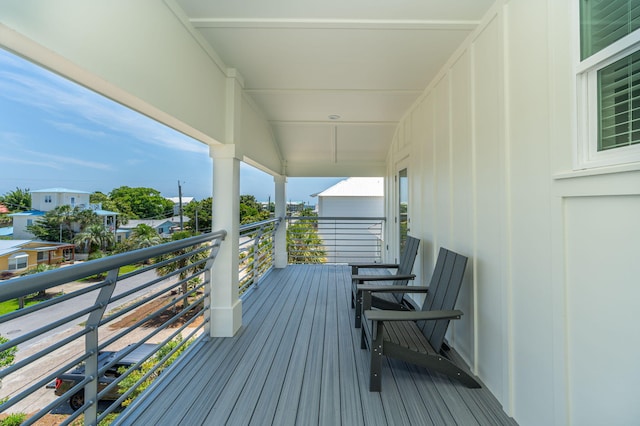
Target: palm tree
86 218
95 235
143 236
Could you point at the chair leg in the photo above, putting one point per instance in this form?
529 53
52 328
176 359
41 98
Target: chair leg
375 371
358 310
363 338
448 368
443 365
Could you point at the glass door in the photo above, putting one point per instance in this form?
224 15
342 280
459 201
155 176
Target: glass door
403 207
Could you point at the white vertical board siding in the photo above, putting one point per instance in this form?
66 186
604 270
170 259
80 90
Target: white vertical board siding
489 262
426 187
602 309
462 203
530 284
442 145
351 206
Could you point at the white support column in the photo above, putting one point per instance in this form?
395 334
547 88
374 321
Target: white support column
226 307
282 257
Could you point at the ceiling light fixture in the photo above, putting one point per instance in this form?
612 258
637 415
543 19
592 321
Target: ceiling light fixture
334 117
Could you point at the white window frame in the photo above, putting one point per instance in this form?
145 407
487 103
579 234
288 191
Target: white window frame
14 258
586 149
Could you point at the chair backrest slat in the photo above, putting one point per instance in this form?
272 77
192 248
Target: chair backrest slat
407 259
443 292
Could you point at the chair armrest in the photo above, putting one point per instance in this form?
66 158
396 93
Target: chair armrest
393 288
411 315
374 265
361 278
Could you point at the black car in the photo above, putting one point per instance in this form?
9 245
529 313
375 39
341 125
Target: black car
75 376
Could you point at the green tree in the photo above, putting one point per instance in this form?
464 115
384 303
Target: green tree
94 236
143 236
199 213
17 200
107 204
251 211
304 245
55 225
183 262
86 218
140 203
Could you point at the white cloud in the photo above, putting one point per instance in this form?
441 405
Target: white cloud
30 162
36 87
73 128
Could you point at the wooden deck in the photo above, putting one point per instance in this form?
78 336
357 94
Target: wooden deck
297 361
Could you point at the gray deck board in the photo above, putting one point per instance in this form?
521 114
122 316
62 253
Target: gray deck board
297 361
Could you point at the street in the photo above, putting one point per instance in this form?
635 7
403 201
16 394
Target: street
23 378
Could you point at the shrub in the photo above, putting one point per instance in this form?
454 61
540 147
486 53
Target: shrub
5 275
136 375
7 357
14 419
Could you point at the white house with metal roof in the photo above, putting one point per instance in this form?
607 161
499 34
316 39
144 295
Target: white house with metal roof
346 223
44 200
355 196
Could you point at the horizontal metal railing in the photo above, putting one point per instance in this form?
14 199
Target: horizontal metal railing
170 290
256 246
315 239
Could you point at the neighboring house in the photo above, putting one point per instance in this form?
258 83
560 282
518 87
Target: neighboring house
23 219
295 206
165 227
351 240
176 203
7 231
44 200
48 199
353 197
21 255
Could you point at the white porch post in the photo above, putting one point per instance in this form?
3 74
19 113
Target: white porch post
282 257
226 307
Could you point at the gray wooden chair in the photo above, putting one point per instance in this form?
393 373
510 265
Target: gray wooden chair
417 337
402 276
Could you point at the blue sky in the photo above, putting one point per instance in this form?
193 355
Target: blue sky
55 133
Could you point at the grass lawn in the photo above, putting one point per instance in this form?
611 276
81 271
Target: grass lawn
123 270
12 305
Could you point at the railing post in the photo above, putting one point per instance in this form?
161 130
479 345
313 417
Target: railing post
280 238
91 347
226 306
256 255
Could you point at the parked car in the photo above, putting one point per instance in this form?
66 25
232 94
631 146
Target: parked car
68 380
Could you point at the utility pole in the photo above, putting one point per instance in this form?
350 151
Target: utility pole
180 205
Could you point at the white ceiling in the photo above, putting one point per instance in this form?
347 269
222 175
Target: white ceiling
364 60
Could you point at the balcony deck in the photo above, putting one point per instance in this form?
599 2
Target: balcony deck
297 360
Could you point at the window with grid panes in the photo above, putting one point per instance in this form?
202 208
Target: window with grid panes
610 48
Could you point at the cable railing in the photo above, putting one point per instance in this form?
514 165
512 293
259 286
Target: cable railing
100 319
97 309
316 239
256 246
